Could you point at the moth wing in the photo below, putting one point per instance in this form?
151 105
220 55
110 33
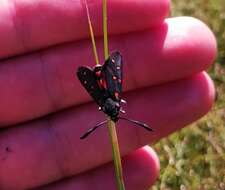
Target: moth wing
88 80
112 71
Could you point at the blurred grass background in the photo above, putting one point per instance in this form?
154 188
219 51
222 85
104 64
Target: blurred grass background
194 158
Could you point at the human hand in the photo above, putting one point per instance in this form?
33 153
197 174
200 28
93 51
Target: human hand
44 109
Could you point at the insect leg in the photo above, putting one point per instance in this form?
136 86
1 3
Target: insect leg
122 111
92 129
123 101
138 123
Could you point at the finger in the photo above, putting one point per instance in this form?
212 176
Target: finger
33 86
49 149
26 25
140 168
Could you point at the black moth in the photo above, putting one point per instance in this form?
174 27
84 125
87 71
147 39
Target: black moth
104 84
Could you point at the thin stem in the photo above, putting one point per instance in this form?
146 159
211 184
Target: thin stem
111 125
92 34
105 30
116 154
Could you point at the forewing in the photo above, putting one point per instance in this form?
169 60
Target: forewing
112 71
88 80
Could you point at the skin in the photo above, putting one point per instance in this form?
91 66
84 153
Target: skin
44 109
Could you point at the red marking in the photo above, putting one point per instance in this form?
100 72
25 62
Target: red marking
116 94
99 84
102 83
98 73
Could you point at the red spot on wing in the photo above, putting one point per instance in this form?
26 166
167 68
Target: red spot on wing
98 73
102 83
116 94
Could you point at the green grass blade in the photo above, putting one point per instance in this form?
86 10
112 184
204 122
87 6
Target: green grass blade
116 155
111 125
105 29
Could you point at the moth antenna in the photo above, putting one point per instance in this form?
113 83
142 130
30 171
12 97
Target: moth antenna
138 123
92 129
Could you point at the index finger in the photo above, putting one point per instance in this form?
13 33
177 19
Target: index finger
28 25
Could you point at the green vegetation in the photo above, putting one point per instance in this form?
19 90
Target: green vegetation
194 158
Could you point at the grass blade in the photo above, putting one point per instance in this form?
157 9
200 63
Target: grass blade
111 125
92 35
105 29
116 154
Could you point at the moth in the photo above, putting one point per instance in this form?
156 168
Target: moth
104 84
